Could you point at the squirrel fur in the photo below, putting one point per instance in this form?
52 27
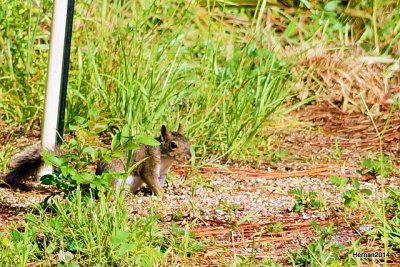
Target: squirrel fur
155 162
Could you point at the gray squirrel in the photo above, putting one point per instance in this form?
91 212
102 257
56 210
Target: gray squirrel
154 163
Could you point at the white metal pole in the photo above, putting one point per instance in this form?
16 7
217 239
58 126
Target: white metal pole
54 72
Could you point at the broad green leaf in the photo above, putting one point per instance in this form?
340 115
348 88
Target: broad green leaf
125 134
80 120
116 141
52 159
131 145
47 179
368 163
290 30
147 140
90 150
344 181
31 218
99 127
83 178
119 153
73 127
331 6
366 192
347 201
126 247
335 180
356 183
119 237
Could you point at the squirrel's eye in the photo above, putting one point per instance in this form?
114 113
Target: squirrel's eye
173 145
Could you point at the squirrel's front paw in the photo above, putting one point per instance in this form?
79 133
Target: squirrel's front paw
161 179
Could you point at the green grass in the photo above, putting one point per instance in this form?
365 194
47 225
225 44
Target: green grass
93 232
148 64
145 63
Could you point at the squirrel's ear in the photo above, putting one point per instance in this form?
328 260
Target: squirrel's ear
180 129
164 133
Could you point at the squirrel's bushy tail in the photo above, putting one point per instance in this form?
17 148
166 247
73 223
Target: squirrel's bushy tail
24 165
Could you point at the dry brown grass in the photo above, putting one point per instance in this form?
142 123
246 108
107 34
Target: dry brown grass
341 76
338 71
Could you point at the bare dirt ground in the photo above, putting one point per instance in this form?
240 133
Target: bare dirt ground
248 209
